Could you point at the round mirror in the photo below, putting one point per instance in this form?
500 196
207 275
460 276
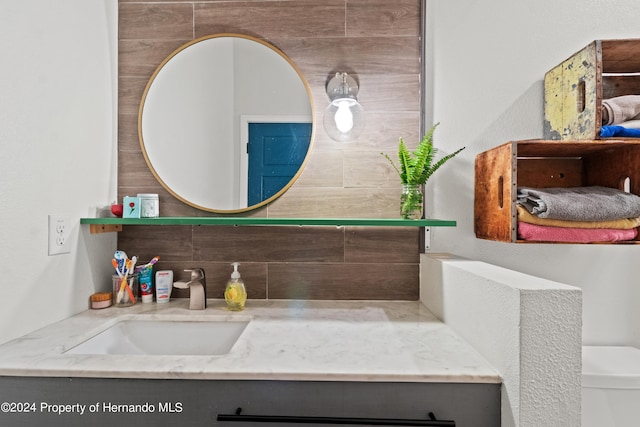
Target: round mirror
226 123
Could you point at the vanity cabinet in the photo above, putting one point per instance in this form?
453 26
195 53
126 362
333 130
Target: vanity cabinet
136 402
543 163
574 89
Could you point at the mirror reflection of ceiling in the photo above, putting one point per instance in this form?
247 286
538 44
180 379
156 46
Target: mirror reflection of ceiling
211 103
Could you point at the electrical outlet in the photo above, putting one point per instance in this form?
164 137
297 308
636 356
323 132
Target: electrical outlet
59 234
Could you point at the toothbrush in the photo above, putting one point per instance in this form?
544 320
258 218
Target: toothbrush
132 297
121 258
150 263
124 281
130 268
134 261
114 262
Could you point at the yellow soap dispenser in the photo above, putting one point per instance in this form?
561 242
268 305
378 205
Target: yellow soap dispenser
235 293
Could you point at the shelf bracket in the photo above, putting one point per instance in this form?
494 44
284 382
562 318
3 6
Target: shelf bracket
427 239
104 228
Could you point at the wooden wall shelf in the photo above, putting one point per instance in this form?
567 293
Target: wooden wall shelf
542 163
574 89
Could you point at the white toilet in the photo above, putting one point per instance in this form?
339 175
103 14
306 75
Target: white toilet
610 386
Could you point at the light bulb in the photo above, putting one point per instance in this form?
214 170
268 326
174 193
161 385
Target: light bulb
344 117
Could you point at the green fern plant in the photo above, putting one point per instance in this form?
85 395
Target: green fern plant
415 168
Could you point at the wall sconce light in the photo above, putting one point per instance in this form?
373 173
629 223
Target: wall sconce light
344 117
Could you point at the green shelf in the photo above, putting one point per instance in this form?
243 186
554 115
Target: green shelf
248 221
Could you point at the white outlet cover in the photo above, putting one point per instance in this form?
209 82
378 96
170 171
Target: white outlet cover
59 234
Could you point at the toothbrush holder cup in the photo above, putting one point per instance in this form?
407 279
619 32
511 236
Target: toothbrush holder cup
128 295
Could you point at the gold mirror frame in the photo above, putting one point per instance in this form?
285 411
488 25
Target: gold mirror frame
144 147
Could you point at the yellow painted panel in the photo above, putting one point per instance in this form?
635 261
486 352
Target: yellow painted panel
553 88
571 97
579 80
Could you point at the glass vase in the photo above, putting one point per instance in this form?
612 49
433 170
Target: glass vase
411 201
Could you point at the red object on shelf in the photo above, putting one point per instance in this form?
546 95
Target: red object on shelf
117 209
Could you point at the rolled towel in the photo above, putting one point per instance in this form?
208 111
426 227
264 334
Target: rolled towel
631 124
619 131
623 223
593 203
541 233
621 109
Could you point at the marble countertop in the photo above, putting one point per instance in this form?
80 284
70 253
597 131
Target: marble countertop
285 340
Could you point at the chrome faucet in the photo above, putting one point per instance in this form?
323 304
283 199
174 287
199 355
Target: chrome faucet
197 289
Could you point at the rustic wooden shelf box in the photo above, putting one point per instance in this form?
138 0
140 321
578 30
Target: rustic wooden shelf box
544 163
574 89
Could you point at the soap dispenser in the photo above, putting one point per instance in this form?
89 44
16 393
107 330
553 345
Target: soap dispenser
235 293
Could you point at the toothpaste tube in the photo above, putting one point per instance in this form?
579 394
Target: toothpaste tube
146 283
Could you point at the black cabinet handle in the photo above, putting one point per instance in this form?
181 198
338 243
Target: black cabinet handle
431 422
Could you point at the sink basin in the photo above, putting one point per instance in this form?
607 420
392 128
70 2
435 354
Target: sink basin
167 338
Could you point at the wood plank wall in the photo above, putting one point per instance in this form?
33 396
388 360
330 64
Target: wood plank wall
378 41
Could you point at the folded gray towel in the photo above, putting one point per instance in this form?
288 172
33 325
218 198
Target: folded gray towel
579 203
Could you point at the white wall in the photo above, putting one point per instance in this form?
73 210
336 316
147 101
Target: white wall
485 65
57 148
